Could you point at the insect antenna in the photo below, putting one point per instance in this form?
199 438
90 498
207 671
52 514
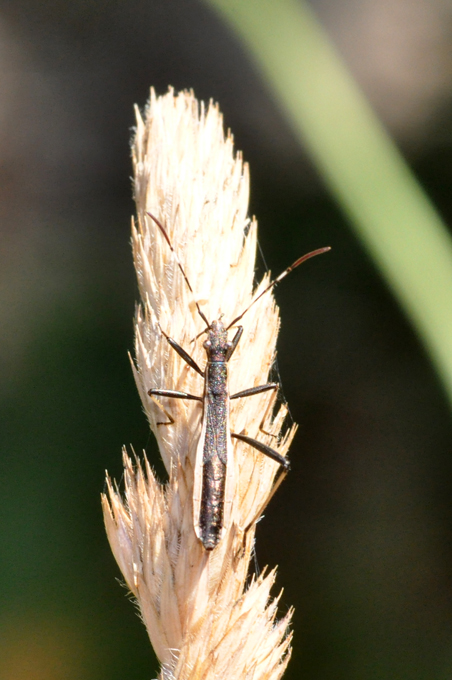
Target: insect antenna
167 239
279 278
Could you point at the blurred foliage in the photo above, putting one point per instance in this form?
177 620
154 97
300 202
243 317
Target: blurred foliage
358 161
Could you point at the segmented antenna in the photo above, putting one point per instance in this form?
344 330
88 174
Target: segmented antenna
273 283
167 239
300 260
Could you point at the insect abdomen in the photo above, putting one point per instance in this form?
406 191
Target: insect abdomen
214 456
212 503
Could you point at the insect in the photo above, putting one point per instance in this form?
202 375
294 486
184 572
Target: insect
214 450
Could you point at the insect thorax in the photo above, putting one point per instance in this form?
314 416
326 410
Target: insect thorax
217 344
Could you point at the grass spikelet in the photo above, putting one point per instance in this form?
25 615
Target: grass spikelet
203 620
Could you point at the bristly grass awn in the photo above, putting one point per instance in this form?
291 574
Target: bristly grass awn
214 454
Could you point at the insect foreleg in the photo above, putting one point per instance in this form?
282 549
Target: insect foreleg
182 353
186 357
234 343
263 448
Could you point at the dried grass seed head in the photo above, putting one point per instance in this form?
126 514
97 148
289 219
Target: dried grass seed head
202 619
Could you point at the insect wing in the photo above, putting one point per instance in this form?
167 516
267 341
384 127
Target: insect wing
198 484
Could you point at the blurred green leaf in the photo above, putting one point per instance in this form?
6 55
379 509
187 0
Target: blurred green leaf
359 162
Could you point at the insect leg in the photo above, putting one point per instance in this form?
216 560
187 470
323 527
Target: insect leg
185 356
263 448
170 420
234 343
254 390
172 394
258 390
258 514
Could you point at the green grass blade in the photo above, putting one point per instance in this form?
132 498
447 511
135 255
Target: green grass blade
360 164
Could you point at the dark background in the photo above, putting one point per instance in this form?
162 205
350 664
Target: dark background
361 529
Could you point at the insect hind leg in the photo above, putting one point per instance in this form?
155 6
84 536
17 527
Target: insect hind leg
280 478
263 448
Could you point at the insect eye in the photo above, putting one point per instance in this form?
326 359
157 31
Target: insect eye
207 344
